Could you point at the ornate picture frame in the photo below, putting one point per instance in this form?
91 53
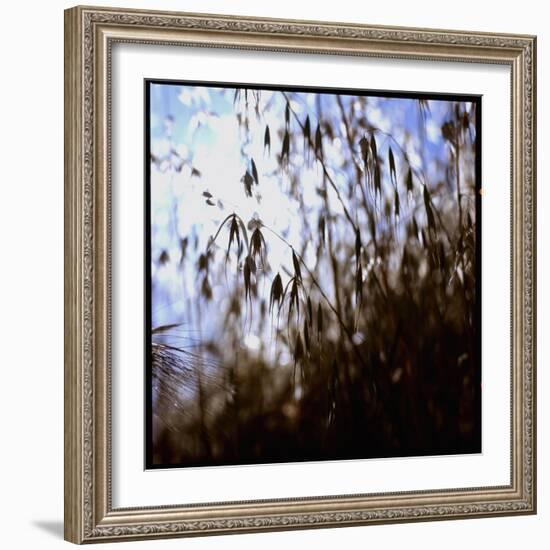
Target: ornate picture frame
90 34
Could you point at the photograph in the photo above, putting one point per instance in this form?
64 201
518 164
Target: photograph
312 275
300 272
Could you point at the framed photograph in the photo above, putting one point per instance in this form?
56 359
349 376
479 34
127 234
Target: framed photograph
300 274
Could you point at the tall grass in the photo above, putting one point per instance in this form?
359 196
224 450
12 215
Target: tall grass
353 335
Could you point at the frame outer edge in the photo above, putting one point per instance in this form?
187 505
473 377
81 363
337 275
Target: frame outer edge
73 425
534 268
84 469
531 222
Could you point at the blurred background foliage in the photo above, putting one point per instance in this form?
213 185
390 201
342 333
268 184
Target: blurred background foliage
313 284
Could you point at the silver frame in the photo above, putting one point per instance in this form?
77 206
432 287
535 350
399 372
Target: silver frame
89 36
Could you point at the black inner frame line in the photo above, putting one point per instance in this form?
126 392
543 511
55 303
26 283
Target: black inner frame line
476 99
